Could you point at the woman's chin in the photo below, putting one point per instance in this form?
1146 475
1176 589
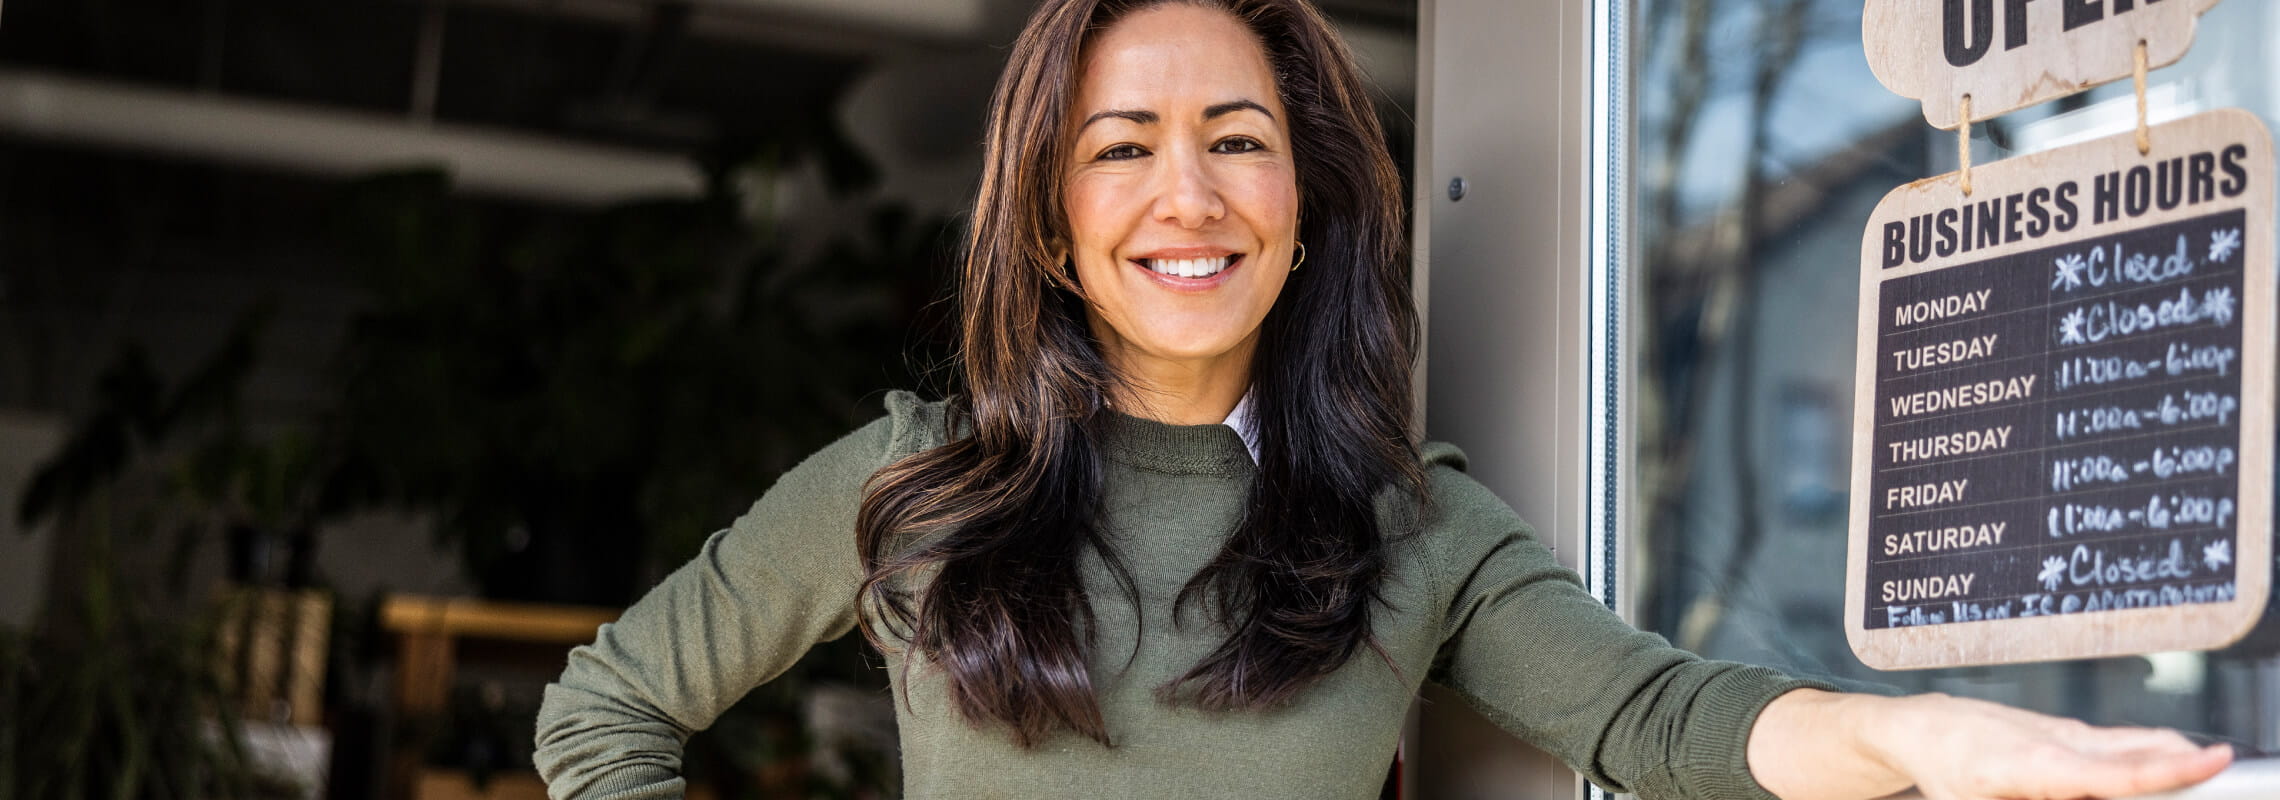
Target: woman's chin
1190 349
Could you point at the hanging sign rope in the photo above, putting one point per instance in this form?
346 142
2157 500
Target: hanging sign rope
2010 54
1963 146
2137 80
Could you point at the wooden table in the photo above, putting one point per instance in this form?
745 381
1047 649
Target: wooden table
429 632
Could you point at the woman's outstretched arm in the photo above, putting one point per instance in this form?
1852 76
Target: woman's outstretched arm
1815 745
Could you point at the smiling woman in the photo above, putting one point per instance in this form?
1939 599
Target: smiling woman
1182 201
1175 538
1137 146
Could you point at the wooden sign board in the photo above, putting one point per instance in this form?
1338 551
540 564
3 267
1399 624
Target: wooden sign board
2010 54
2063 423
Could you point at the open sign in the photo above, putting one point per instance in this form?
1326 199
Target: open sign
2010 54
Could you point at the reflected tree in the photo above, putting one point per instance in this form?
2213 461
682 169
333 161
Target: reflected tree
1702 286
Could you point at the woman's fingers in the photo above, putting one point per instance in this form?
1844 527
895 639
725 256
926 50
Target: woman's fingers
2126 773
2124 741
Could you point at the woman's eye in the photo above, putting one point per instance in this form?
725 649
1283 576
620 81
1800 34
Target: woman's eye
1238 144
1121 152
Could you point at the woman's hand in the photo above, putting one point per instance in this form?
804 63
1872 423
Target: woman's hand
1811 745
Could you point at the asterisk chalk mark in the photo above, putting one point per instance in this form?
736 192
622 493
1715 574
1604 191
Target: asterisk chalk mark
2053 569
2217 554
2069 276
2223 243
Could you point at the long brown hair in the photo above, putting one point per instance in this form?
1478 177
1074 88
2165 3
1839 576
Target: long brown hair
972 548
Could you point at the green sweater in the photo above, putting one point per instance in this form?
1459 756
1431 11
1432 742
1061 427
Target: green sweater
1474 602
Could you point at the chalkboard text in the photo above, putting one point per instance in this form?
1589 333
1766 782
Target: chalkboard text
1979 393
1943 353
2058 425
1954 305
1934 587
1925 494
1959 443
1953 537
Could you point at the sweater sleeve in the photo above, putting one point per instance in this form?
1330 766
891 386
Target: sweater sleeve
782 578
1540 657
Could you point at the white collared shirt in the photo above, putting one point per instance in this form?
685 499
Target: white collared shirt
1240 420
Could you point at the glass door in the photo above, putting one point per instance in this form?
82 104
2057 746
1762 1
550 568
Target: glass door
1759 143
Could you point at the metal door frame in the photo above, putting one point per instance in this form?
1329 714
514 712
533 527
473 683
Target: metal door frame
1520 278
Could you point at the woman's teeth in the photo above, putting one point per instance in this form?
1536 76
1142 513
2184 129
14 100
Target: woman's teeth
1189 267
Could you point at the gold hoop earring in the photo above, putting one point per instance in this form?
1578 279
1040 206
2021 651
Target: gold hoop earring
1301 256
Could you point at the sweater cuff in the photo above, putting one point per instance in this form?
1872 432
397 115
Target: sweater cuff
640 782
1717 743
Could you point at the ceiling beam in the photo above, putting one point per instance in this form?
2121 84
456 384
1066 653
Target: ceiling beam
853 27
330 143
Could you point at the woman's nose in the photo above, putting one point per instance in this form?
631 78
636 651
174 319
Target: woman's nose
1188 195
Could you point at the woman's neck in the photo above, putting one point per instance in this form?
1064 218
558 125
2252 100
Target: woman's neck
1182 392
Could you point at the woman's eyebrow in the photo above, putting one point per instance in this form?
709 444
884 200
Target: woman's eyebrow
1213 111
1232 106
1142 117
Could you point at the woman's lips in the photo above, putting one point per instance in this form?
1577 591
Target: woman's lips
1203 273
1197 267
